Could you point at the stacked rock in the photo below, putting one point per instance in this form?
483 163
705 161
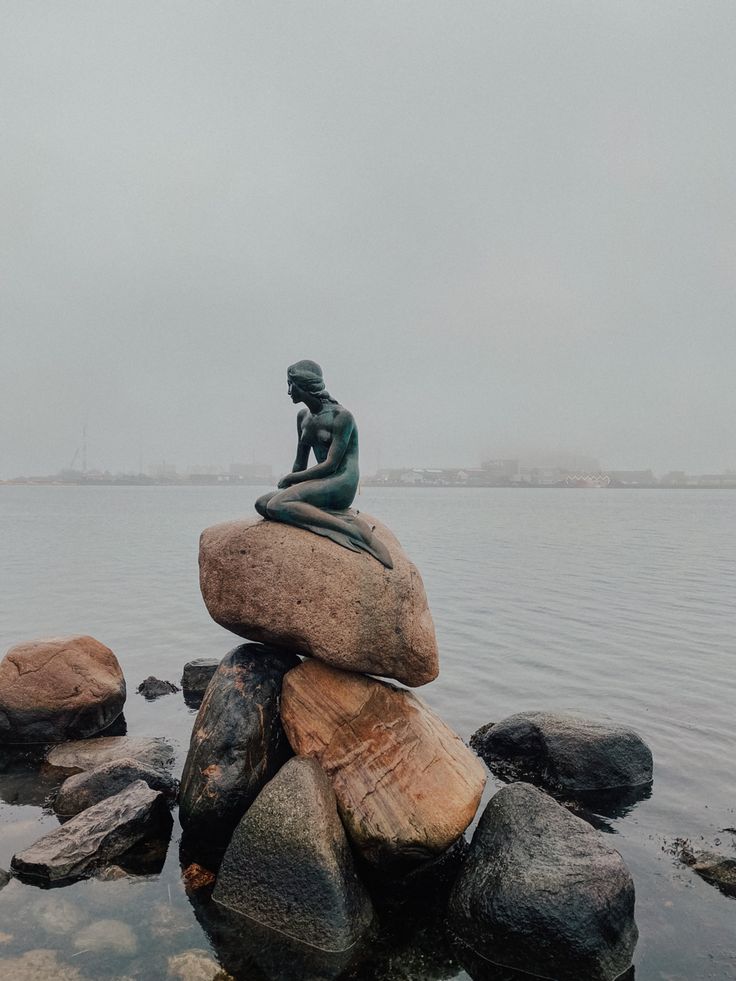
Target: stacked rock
377 773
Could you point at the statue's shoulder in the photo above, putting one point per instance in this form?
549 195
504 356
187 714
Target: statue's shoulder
344 415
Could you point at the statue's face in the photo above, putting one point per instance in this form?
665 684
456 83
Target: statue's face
296 393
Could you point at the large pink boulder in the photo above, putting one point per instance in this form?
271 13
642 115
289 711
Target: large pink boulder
285 586
59 688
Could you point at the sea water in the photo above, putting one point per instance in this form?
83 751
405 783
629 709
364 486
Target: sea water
620 603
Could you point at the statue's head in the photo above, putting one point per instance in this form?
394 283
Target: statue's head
305 378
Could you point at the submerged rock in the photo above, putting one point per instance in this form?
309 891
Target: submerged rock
196 965
86 754
58 688
154 688
38 965
237 742
84 789
289 866
543 892
4 878
96 836
55 915
406 785
715 867
112 935
282 585
566 752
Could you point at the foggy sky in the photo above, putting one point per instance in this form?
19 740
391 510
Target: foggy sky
499 226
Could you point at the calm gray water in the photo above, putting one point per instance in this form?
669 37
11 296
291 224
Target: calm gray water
610 602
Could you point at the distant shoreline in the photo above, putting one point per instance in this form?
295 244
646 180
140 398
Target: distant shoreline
427 487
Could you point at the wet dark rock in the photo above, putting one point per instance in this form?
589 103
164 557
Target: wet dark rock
543 892
5 878
289 865
154 688
197 675
237 743
96 836
84 789
86 754
715 867
59 688
564 752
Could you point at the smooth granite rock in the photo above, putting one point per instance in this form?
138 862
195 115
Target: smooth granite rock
58 688
86 754
289 866
275 583
566 752
237 742
85 789
541 891
96 836
197 675
406 785
153 688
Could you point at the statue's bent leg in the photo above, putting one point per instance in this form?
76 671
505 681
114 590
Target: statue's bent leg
261 504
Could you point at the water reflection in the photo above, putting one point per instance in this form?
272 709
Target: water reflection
593 806
24 781
480 969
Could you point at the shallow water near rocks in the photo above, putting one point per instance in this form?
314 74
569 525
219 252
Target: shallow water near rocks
609 602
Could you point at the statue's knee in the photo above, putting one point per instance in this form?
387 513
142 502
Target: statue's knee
273 511
261 505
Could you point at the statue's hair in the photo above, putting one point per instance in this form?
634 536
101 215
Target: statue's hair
307 375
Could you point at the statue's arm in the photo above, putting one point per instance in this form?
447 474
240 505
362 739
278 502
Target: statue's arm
344 425
302 447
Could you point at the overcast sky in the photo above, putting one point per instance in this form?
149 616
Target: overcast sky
501 227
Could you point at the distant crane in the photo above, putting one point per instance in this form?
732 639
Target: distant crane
81 449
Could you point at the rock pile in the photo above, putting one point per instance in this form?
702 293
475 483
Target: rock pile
376 770
117 790
378 774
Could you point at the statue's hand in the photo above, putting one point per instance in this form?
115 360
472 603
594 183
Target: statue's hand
285 481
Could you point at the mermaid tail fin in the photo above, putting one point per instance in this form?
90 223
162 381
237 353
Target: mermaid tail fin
374 547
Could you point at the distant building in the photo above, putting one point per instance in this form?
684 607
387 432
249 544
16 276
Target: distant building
501 468
162 471
541 476
257 473
632 478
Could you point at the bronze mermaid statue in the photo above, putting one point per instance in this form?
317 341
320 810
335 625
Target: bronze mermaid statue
318 498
